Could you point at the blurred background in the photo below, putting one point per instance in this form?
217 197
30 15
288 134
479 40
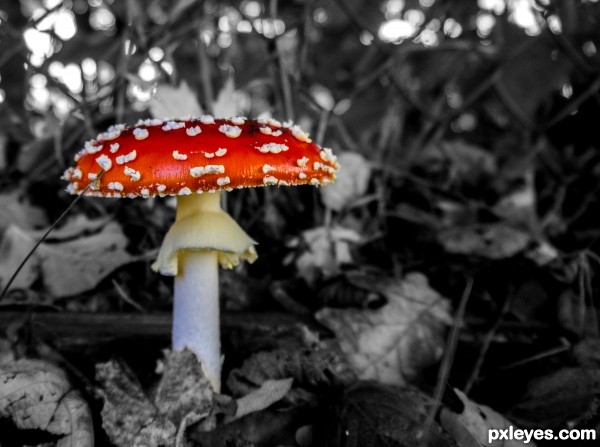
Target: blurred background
468 142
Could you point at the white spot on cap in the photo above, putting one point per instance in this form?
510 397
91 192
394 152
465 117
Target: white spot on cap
209 154
314 182
72 187
230 131
214 169
269 121
149 122
323 167
327 155
114 148
288 123
161 188
197 171
221 181
270 180
184 191
115 186
238 120
91 148
302 175
302 161
267 168
104 162
172 125
273 148
113 132
122 159
269 131
178 156
145 192
67 174
193 131
207 119
76 174
299 134
220 152
132 173
92 176
140 134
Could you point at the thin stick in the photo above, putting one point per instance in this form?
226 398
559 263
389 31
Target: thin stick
46 234
448 359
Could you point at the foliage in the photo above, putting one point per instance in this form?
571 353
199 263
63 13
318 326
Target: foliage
467 136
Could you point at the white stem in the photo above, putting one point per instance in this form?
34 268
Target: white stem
196 311
196 296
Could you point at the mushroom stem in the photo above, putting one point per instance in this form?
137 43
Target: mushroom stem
196 310
196 294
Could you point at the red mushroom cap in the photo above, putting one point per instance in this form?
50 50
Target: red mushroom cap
179 157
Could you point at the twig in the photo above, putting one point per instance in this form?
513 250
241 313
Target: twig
574 104
126 297
46 234
447 361
487 341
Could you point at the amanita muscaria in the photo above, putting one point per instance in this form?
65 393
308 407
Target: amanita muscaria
195 159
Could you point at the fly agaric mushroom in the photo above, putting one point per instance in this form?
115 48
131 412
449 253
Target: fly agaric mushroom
195 159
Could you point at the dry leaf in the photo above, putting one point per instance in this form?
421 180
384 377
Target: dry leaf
15 211
311 369
478 420
375 415
174 102
183 397
37 395
492 241
184 394
326 250
271 391
351 182
67 268
566 397
128 417
397 341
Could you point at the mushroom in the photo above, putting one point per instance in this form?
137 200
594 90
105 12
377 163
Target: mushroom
195 159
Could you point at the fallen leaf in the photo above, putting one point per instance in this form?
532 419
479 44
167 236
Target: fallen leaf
271 391
311 369
184 394
351 182
183 397
566 397
128 416
478 420
460 161
13 210
396 342
69 267
326 249
174 102
492 241
37 395
375 415
74 418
